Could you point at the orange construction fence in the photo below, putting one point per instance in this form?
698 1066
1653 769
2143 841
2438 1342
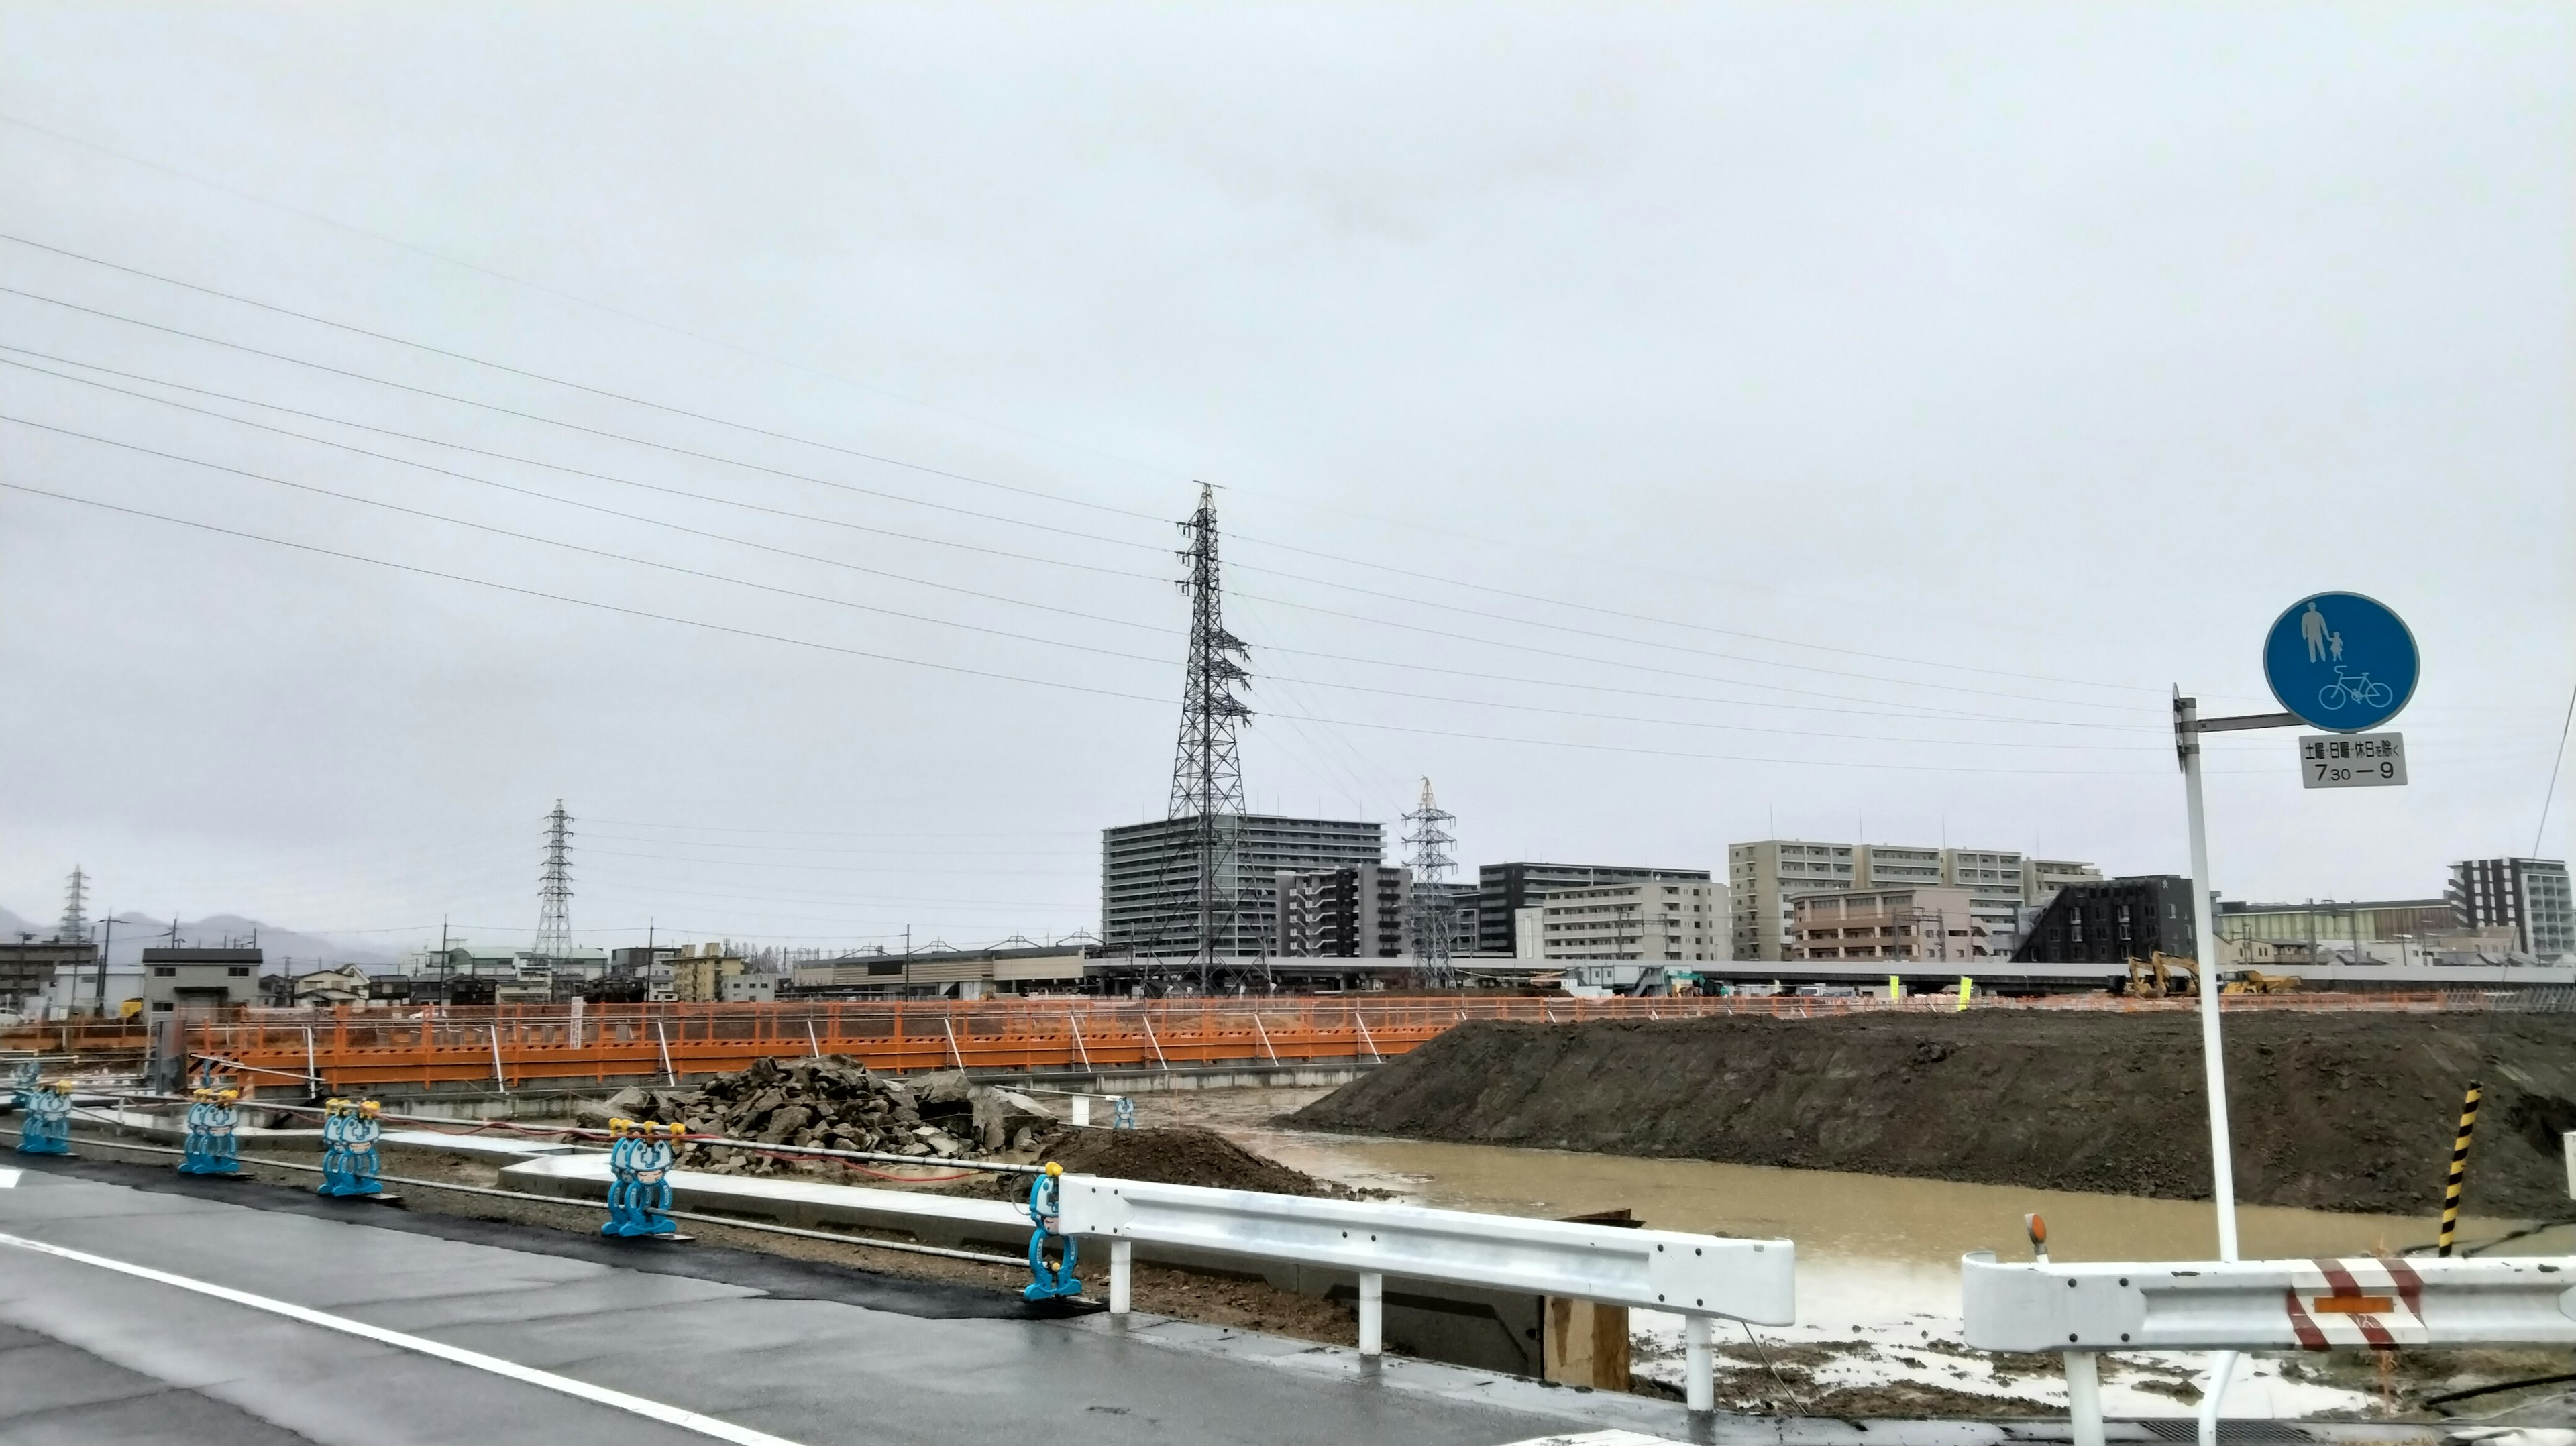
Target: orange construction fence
353 1048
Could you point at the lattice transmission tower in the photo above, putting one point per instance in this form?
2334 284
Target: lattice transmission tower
1207 770
75 926
554 888
1427 832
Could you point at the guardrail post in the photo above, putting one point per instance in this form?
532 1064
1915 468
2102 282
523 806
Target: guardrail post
1699 1365
1122 1271
1372 1314
2220 1373
2084 1397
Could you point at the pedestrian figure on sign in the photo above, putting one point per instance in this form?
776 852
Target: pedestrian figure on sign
2334 646
2312 627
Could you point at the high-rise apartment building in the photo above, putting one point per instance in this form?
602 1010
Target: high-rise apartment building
1357 912
1763 879
1643 919
1502 890
1149 878
2528 896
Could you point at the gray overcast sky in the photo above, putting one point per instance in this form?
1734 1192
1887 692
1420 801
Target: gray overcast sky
1751 418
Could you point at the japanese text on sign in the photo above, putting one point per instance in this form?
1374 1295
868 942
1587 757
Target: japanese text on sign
2352 760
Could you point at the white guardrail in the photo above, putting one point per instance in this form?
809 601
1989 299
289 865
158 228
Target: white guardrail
2366 1302
1699 1277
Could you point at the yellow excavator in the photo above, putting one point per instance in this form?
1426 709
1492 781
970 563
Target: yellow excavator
2255 981
2161 976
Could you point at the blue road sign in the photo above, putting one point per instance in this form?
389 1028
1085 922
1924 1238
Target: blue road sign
2341 661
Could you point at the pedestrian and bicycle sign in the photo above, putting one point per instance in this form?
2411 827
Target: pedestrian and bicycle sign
2366 760
2341 662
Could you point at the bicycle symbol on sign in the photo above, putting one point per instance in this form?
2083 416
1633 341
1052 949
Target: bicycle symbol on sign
2354 688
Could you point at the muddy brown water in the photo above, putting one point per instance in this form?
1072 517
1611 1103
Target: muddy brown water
1833 1216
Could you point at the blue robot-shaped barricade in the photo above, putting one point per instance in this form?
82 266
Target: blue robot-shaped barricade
211 1146
1046 1210
639 1178
350 1129
45 1120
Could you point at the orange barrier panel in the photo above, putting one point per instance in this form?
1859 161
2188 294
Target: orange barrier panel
354 1048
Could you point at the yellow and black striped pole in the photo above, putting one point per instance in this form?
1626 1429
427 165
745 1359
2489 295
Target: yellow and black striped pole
2459 1168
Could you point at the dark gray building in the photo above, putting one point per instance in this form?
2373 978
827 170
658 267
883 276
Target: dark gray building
1149 879
1350 913
28 965
1503 888
2528 896
2110 921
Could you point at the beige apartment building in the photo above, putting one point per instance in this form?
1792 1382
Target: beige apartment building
1764 878
1901 924
1643 919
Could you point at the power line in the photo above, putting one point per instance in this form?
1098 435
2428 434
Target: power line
1003 486
802 595
581 472
412 568
542 289
1006 677
577 547
1320 582
675 450
1647 618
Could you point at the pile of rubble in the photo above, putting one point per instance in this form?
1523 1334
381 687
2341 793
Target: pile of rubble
836 1103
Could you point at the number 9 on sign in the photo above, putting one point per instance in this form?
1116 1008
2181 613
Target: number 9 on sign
2352 760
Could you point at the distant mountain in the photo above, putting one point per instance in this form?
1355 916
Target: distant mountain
136 932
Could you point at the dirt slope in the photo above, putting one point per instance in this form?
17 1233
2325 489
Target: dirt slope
2335 1112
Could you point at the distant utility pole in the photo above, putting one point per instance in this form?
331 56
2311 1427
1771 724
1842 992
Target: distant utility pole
554 888
1207 772
106 926
75 924
1427 830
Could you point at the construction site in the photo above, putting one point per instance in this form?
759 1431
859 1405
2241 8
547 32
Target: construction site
1708 724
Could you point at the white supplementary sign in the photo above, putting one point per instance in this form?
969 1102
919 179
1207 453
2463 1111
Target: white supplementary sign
2352 760
1751 1280
2376 1302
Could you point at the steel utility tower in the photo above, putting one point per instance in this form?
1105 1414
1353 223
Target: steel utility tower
75 926
554 888
1207 773
1427 830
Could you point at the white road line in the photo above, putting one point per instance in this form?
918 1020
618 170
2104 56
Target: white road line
637 1405
1598 1439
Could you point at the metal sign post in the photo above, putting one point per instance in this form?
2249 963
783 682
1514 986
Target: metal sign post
2337 661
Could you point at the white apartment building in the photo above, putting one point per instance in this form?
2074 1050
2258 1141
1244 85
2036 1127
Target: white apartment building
1764 878
1642 919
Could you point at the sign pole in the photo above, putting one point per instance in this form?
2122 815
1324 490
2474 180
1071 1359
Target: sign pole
2204 928
2337 661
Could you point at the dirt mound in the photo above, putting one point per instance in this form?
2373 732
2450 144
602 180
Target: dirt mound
1178 1155
2331 1111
